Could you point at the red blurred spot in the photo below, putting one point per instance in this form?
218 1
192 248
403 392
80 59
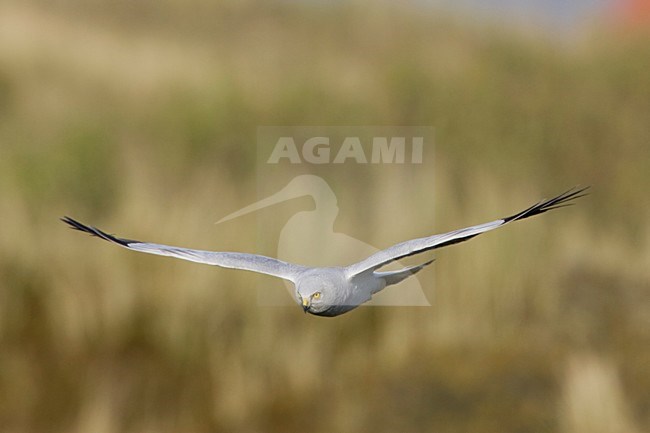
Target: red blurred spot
634 13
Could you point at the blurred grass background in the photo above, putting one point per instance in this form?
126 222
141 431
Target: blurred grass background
141 118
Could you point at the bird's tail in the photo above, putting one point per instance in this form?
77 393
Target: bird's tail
394 277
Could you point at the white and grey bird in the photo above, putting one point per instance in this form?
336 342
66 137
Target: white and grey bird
331 291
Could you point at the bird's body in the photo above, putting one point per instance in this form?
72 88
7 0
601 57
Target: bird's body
331 291
308 228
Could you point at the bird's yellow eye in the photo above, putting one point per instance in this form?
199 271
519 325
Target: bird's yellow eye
316 295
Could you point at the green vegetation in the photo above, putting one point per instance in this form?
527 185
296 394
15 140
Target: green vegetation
141 117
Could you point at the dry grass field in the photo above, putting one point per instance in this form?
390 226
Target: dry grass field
141 118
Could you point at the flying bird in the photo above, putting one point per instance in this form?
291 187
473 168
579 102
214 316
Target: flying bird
307 228
332 291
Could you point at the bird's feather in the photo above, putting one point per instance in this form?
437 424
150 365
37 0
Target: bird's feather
417 246
244 261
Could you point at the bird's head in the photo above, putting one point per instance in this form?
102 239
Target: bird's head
316 295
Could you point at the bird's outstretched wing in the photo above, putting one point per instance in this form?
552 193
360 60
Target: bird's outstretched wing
417 246
247 262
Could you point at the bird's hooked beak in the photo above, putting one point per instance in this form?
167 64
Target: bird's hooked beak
305 304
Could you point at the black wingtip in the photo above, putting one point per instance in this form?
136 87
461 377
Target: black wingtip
563 200
93 231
